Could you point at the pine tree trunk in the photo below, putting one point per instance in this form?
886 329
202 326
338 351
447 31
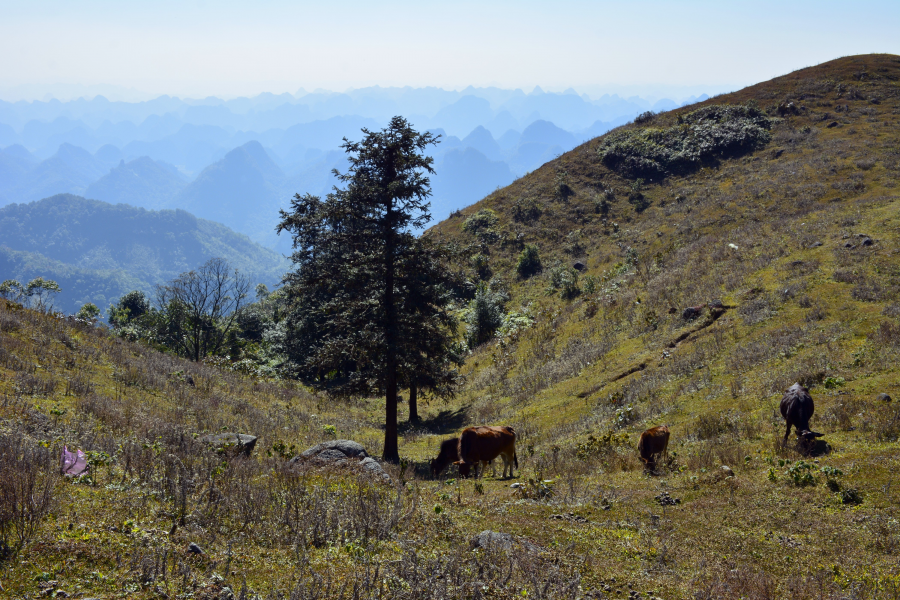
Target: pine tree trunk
391 452
413 404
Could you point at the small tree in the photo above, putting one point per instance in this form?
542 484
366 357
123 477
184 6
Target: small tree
36 294
485 315
201 307
88 312
368 302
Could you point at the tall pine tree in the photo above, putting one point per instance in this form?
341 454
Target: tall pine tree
368 300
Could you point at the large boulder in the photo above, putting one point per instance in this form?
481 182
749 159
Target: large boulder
230 443
342 453
348 448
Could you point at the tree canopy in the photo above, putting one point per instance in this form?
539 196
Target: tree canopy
368 300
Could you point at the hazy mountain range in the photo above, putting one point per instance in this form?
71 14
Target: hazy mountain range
238 161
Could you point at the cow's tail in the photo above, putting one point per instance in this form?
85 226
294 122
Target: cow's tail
515 459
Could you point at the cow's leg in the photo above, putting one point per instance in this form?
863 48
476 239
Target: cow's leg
786 433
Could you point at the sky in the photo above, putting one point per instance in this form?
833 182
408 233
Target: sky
198 48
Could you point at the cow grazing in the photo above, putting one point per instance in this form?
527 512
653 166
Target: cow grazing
797 408
449 453
653 443
480 444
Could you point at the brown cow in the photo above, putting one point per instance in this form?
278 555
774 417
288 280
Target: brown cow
449 453
797 407
479 444
653 443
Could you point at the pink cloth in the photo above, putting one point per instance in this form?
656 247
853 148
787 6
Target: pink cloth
73 463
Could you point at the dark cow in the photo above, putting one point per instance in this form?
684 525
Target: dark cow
449 453
797 407
653 443
480 444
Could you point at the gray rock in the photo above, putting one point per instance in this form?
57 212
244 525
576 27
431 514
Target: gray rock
579 266
503 541
331 455
194 548
348 448
231 443
883 397
373 467
867 241
726 471
815 244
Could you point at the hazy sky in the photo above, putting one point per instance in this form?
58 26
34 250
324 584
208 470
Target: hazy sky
227 48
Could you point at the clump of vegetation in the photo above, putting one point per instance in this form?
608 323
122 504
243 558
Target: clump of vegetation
564 280
482 225
484 315
529 262
526 210
707 134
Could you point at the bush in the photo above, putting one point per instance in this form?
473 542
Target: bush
485 315
712 132
482 224
526 210
88 312
565 281
529 262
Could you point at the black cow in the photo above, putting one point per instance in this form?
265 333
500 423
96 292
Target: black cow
797 407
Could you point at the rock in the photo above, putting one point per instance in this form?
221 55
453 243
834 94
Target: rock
373 467
504 541
867 241
815 244
579 266
832 124
343 452
195 549
348 448
726 471
883 397
850 245
715 304
230 443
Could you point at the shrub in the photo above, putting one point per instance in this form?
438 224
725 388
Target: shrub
27 476
88 312
561 187
565 281
485 315
526 210
705 135
529 262
482 224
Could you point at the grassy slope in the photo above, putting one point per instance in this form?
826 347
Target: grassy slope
794 311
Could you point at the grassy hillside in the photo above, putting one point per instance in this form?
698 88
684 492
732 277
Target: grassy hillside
777 219
98 251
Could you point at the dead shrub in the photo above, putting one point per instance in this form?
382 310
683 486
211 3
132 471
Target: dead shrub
34 385
28 474
887 334
845 276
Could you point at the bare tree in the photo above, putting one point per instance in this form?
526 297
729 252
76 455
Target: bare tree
201 307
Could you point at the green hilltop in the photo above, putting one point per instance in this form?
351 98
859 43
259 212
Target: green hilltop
98 251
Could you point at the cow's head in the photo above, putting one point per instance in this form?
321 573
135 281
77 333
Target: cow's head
464 468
